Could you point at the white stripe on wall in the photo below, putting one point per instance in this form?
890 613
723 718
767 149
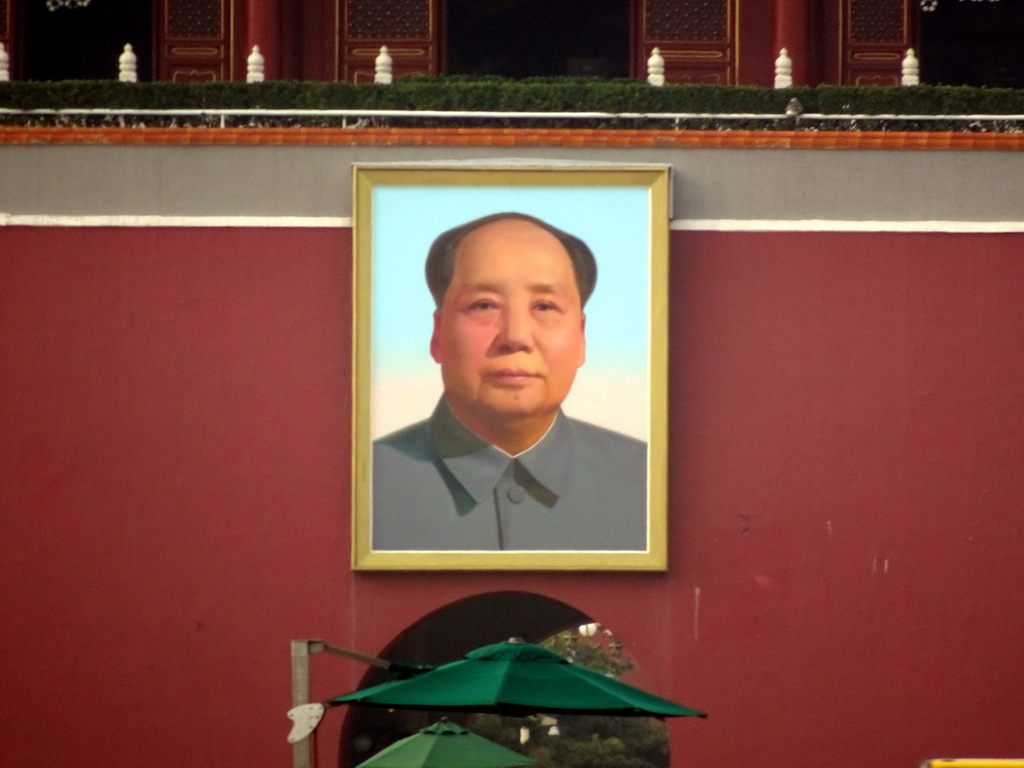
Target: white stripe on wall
34 220
836 225
331 222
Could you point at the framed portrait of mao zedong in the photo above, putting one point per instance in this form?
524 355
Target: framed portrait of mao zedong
509 381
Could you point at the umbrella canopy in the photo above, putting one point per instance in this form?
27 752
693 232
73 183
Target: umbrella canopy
445 745
516 678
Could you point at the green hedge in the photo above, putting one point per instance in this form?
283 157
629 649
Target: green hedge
530 95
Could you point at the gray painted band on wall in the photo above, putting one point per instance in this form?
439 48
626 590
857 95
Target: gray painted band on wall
769 185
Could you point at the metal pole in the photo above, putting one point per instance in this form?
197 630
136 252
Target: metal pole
303 751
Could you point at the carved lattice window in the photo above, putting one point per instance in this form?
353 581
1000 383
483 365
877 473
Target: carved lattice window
369 19
193 18
876 21
687 20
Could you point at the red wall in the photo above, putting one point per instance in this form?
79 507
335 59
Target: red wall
847 494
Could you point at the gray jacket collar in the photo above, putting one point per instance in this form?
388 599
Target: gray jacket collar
478 465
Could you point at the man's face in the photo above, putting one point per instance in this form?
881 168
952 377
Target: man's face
509 333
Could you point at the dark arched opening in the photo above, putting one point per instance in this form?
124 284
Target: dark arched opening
85 43
448 634
972 44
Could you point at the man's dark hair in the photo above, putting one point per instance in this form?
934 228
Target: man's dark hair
441 257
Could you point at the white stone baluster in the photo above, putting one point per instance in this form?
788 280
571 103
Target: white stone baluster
382 67
127 64
783 70
255 66
911 69
656 68
5 64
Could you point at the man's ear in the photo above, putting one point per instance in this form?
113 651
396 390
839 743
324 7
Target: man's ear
435 344
583 339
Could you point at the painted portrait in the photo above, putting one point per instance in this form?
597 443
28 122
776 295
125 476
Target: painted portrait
510 362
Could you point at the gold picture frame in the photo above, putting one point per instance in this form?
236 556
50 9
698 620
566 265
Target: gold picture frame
622 214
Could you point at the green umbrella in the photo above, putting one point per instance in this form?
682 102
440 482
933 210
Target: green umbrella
515 678
445 745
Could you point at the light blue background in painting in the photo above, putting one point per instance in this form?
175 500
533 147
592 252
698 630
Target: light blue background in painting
611 388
